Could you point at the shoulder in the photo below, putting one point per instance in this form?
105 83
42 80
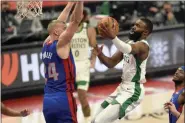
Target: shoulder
144 43
141 44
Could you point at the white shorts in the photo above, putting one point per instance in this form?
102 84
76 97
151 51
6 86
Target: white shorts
83 74
128 95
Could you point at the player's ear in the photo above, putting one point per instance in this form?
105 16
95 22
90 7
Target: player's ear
56 32
146 32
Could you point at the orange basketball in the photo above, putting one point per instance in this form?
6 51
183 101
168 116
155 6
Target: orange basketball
110 23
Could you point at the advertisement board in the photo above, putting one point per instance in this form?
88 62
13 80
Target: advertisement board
22 67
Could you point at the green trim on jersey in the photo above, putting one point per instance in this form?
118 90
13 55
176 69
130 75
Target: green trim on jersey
81 28
137 76
114 102
81 83
104 104
129 101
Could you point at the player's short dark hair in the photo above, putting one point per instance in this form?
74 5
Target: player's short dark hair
148 23
85 13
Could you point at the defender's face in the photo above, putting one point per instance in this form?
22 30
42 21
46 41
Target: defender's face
60 28
179 75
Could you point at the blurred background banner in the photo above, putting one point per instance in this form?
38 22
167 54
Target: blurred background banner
22 67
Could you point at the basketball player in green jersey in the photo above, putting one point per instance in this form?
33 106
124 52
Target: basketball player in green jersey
134 53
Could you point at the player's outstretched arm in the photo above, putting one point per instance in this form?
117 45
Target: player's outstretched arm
63 15
65 38
10 112
110 62
137 48
92 41
67 35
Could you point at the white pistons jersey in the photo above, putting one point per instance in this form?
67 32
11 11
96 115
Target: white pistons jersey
80 44
134 70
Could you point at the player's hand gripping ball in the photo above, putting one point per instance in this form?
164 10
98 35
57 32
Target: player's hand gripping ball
111 27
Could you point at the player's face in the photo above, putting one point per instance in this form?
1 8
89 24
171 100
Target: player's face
137 30
60 28
179 75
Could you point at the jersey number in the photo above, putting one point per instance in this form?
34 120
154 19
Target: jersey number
52 71
77 53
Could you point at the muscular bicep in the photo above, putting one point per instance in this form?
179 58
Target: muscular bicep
117 57
64 51
92 36
67 35
181 98
63 44
141 49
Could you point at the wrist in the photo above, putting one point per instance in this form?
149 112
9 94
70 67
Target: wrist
115 39
176 113
100 53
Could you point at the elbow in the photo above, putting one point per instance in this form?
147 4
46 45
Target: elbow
78 19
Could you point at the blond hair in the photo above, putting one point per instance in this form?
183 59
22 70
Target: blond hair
53 24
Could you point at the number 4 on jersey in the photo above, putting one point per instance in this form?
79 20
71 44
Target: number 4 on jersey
52 71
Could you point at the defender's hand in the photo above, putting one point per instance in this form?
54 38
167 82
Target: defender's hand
170 106
25 113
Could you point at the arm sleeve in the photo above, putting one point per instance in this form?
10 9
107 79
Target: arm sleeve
122 46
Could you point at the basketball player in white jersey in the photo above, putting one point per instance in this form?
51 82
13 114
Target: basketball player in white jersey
81 42
134 53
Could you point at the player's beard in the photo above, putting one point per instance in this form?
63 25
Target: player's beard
178 82
135 36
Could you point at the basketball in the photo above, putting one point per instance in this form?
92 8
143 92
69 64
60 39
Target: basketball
110 23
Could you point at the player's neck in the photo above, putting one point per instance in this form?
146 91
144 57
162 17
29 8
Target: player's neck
53 37
179 86
142 38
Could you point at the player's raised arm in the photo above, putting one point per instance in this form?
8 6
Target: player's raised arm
136 48
67 35
138 35
63 15
92 41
